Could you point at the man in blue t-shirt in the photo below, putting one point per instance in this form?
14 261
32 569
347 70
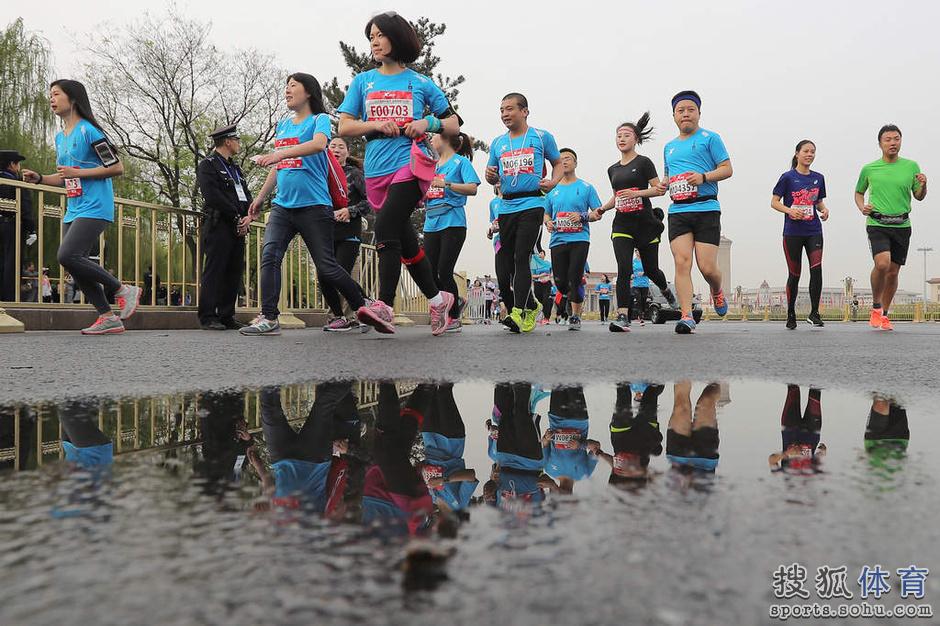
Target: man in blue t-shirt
517 164
694 163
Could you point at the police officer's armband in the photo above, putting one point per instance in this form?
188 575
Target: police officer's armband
106 152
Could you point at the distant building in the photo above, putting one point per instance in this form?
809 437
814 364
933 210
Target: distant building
831 297
724 263
933 293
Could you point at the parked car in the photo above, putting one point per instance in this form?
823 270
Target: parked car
658 310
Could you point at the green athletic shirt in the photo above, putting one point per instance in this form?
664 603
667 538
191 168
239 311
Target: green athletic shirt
889 186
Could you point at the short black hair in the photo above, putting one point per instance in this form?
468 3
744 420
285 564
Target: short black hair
405 44
888 128
570 151
519 98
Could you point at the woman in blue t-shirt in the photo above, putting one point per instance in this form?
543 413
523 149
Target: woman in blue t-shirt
300 169
799 196
445 221
603 290
387 106
85 164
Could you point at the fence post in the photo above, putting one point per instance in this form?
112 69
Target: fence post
766 313
918 312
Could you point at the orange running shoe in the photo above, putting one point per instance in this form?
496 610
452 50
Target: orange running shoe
886 323
875 320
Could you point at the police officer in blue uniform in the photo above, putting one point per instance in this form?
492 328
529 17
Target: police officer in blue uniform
10 170
225 203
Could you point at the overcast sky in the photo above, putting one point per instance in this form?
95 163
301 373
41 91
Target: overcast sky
769 73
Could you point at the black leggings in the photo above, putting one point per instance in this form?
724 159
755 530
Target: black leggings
637 308
793 250
605 309
79 238
443 247
444 416
568 403
518 233
649 256
568 268
346 253
543 294
518 432
396 241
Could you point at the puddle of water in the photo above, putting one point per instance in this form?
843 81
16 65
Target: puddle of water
411 502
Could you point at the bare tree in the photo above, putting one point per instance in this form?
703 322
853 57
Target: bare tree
161 85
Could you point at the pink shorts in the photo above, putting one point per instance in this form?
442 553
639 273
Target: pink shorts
377 186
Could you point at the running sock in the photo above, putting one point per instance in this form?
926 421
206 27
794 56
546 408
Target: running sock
437 300
876 305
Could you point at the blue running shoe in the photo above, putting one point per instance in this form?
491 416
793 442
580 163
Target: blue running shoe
721 303
685 326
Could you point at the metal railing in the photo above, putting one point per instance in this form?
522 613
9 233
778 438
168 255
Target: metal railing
32 434
158 248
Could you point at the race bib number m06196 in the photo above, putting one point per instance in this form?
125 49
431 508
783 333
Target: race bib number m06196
681 189
625 204
518 161
390 106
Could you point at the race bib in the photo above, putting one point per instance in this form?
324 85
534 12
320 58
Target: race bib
604 291
566 438
430 472
565 224
390 106
807 210
518 161
623 204
288 164
622 463
73 187
435 193
681 189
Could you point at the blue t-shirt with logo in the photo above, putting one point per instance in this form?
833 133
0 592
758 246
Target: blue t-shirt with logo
94 199
640 279
575 464
521 163
293 477
90 457
538 265
699 153
804 191
603 291
577 197
302 181
444 208
400 98
447 453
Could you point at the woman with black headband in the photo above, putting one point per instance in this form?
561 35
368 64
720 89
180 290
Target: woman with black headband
634 181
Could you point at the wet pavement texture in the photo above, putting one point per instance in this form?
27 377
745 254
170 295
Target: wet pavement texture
60 365
412 502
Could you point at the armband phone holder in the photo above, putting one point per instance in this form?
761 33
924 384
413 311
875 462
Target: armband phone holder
106 152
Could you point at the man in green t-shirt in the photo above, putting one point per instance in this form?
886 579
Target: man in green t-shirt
890 181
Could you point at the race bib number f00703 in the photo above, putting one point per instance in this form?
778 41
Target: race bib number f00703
564 222
518 161
73 187
390 106
681 189
625 204
287 164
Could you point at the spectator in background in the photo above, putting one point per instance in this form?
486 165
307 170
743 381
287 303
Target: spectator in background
10 170
147 297
30 287
45 286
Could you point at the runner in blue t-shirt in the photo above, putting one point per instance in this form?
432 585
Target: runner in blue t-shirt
517 163
394 108
694 163
603 290
85 164
299 168
799 196
445 222
640 288
564 443
568 209
542 283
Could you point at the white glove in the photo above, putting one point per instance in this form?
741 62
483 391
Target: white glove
31 239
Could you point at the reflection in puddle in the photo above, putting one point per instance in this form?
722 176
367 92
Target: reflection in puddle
358 488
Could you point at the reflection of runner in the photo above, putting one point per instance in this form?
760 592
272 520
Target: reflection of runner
887 435
306 468
890 181
88 450
692 439
801 451
515 447
444 470
799 196
564 444
225 439
695 161
635 437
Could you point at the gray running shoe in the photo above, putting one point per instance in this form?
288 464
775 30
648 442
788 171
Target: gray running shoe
620 325
110 325
261 326
574 323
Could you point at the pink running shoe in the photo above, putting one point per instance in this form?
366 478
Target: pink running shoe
105 325
378 315
127 298
440 314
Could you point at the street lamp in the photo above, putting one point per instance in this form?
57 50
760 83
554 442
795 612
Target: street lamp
925 250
